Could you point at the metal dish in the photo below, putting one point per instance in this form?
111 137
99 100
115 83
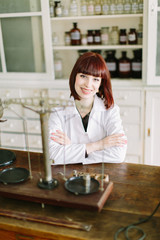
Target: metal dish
77 185
14 175
6 157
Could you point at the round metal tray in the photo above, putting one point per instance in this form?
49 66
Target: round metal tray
77 186
14 175
6 157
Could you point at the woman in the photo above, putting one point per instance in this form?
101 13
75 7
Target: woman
91 130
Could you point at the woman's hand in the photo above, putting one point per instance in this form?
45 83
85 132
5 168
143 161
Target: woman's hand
115 140
60 138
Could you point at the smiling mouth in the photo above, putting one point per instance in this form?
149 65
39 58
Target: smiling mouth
86 91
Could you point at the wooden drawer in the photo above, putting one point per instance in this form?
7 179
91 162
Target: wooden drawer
127 97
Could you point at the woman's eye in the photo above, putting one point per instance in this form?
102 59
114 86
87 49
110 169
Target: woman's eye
96 79
82 76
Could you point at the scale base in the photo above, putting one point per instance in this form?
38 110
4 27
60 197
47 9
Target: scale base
48 184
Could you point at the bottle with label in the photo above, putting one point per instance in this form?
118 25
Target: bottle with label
55 39
140 34
127 7
73 8
58 10
90 36
111 62
113 7
122 36
120 7
90 7
134 8
65 9
75 35
97 7
105 7
132 36
114 35
124 66
55 6
58 66
105 35
97 37
136 65
83 7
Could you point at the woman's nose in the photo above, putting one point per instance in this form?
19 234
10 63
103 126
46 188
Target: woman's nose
89 82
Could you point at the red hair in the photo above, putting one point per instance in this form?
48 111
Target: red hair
91 63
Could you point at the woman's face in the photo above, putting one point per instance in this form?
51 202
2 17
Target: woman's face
87 86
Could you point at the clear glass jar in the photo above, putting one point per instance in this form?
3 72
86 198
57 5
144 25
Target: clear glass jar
73 8
113 7
105 7
84 39
120 7
97 7
65 10
140 34
90 7
134 8
127 7
83 7
67 39
55 39
51 8
140 6
114 35
58 66
105 35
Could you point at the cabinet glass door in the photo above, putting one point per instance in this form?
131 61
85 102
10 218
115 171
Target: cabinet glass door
153 62
25 39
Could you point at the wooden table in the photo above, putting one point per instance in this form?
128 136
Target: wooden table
135 195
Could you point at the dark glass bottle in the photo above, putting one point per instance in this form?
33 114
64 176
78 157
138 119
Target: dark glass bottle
136 64
132 36
75 35
124 66
90 37
111 62
97 37
122 36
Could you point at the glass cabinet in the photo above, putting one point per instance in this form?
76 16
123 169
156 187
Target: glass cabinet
153 62
25 42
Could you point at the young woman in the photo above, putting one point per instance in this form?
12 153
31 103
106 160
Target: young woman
91 130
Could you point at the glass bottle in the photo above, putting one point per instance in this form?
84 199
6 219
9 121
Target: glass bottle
73 8
55 6
58 10
111 62
83 7
134 5
84 39
58 66
140 34
114 35
55 39
140 6
105 35
132 36
120 7
105 7
51 8
90 7
136 64
122 36
113 7
97 37
67 39
97 7
65 9
127 7
124 66
90 37
75 35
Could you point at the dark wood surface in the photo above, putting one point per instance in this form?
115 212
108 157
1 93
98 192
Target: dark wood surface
135 195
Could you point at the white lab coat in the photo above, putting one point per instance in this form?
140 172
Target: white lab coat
101 123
